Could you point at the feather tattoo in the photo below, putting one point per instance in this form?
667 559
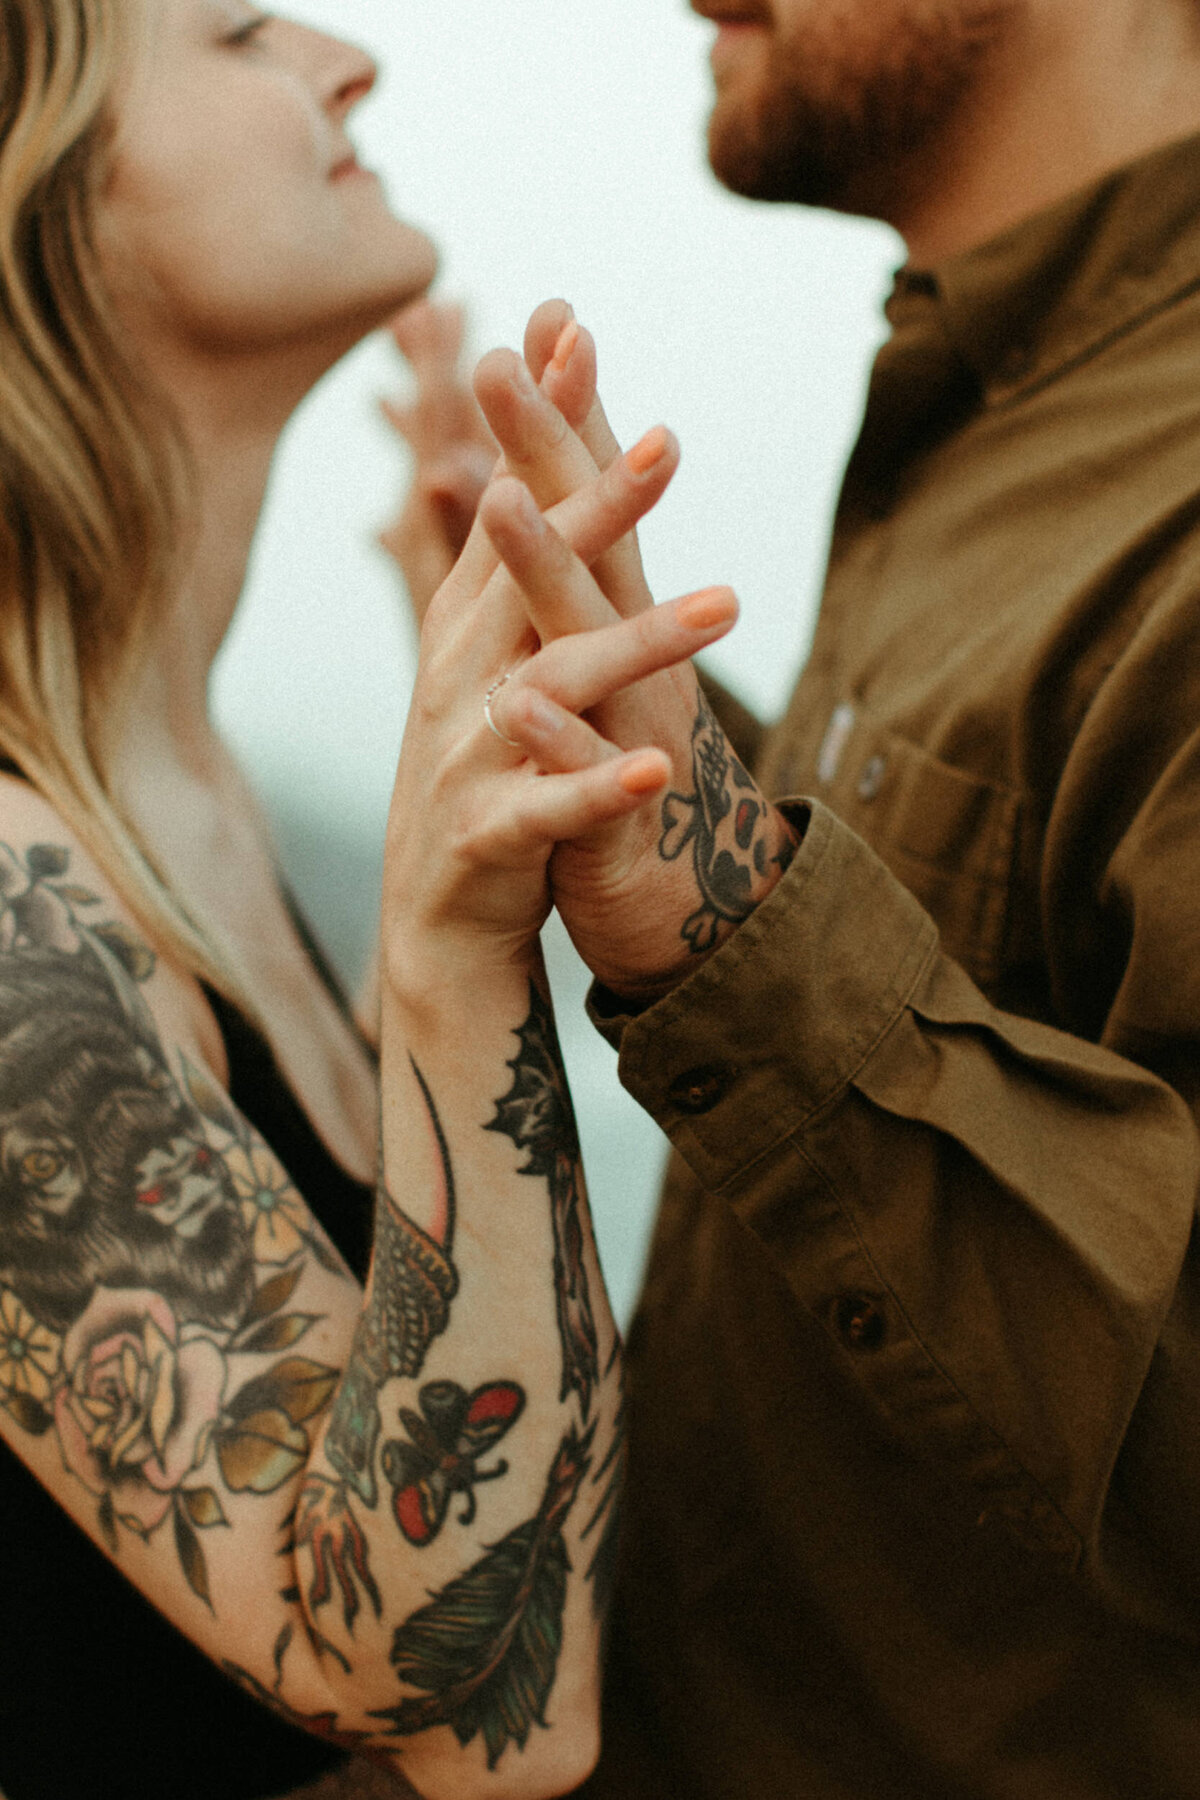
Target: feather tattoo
536 1114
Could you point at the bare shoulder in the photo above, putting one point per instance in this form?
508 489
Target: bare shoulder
52 890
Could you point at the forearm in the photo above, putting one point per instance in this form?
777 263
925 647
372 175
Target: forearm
475 1435
988 1217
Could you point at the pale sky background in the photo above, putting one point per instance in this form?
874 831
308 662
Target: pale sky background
554 148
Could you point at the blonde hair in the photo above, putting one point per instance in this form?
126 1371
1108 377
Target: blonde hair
93 477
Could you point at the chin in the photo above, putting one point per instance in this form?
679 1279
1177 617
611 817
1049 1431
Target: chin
399 277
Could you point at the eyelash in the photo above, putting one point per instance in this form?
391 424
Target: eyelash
245 34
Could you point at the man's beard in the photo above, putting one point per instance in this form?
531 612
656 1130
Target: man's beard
853 92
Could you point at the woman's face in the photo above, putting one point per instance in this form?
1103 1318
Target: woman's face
236 219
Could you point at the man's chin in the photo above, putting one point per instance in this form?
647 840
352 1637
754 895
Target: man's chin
745 160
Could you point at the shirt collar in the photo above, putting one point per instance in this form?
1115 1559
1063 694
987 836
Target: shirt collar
1058 287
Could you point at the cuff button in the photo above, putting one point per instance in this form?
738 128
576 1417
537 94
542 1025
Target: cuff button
860 1321
699 1090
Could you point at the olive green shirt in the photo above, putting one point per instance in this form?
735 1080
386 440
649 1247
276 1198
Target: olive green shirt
914 1507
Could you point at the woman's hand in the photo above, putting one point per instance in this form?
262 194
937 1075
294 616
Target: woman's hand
453 451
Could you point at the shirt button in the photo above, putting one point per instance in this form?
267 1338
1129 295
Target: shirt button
860 1322
872 778
699 1090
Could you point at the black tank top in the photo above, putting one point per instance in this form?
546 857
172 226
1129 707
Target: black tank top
100 1697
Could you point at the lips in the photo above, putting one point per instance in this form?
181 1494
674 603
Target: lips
725 15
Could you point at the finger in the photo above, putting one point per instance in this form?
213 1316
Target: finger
538 444
581 671
454 488
402 419
538 710
590 522
560 592
424 562
555 739
547 323
599 516
577 398
555 808
430 333
569 380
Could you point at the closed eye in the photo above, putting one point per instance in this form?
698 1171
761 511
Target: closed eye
246 34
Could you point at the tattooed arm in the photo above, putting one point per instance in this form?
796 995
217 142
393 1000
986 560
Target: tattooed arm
391 1519
173 1325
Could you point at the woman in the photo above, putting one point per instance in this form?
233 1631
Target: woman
387 1519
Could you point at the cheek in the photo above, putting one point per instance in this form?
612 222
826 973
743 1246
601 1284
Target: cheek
206 200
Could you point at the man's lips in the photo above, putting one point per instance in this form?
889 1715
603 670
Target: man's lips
729 16
732 35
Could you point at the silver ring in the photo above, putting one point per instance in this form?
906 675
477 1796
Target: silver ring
487 713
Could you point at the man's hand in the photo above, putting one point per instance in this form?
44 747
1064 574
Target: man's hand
648 896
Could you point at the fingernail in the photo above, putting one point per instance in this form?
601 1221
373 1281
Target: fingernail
700 612
568 337
542 714
649 450
642 773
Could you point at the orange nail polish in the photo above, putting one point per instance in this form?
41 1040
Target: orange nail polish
700 612
650 450
643 773
568 337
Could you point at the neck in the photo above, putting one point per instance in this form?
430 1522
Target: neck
231 426
1072 93
168 716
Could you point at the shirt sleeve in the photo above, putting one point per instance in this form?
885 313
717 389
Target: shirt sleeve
990 1217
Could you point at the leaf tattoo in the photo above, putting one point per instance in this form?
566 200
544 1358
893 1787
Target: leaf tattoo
536 1114
413 1283
485 1651
725 870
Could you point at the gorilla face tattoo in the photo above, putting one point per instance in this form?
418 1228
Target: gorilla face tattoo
105 1174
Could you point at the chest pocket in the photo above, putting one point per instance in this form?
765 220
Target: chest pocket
948 836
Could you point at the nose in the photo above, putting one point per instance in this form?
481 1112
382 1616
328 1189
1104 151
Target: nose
340 74
355 76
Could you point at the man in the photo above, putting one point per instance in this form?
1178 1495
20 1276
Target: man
914 1461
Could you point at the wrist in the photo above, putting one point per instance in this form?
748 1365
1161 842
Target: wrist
659 961
438 972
